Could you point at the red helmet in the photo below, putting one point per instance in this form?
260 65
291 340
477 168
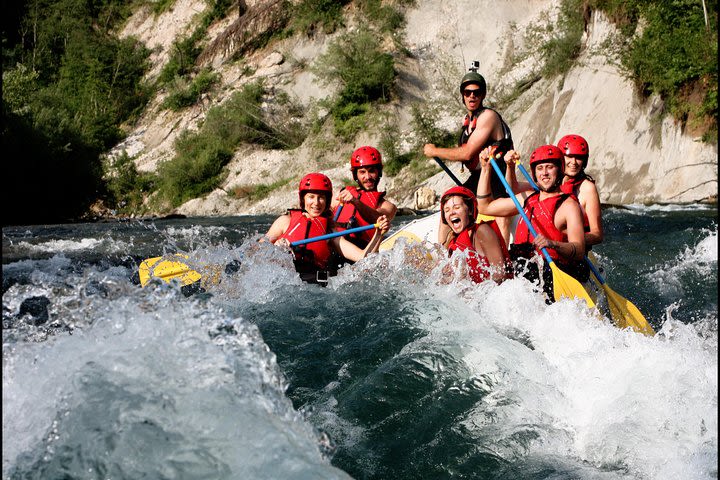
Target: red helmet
544 154
574 145
463 192
316 182
365 157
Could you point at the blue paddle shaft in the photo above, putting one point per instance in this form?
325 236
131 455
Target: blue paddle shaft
527 176
517 205
337 212
587 260
328 236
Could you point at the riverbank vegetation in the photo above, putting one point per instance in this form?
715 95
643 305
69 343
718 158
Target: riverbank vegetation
71 86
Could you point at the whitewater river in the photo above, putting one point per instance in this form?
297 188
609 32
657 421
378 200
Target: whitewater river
388 373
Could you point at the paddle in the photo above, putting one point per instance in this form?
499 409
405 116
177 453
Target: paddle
168 270
563 284
447 170
480 216
328 236
622 310
337 212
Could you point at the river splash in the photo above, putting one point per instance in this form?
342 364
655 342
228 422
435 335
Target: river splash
389 372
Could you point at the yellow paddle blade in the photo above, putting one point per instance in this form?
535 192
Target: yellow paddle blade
389 242
483 218
625 314
167 270
566 286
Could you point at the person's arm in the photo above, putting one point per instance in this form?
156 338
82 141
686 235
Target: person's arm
591 203
370 214
277 229
487 242
388 209
367 212
512 157
350 251
569 216
500 207
486 124
443 232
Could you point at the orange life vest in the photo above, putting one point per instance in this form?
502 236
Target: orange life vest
311 256
350 218
478 265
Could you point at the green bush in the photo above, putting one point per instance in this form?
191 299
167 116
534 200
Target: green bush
673 51
364 72
69 84
126 186
562 48
197 167
674 56
385 16
184 51
183 95
424 122
309 15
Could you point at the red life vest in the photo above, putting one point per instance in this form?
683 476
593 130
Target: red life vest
478 265
542 216
572 187
349 217
311 256
469 126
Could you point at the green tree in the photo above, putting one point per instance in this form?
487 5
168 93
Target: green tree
71 87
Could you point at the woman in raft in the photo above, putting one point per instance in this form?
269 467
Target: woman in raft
312 219
487 255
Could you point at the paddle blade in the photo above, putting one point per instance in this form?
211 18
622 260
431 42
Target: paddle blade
389 242
167 270
625 314
566 286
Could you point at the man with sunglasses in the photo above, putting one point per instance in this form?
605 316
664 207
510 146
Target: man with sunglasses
482 127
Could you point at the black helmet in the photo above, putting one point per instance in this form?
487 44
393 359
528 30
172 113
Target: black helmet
473 77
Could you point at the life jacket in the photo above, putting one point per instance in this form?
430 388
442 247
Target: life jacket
504 145
469 125
572 187
311 257
478 265
542 216
349 217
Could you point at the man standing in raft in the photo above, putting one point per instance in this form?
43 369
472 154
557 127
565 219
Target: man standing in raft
364 204
312 219
487 255
556 217
582 186
482 127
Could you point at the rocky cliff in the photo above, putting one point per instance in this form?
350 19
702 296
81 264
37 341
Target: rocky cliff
636 154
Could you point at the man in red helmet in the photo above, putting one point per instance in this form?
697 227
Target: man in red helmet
482 243
555 216
482 127
362 205
313 261
577 182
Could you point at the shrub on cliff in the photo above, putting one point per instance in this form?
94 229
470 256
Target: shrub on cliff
364 72
198 166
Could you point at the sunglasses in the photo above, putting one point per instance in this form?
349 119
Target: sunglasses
474 92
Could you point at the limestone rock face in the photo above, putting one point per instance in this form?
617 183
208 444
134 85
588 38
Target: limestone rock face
425 198
637 154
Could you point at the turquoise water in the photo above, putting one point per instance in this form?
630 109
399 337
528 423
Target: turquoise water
387 373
